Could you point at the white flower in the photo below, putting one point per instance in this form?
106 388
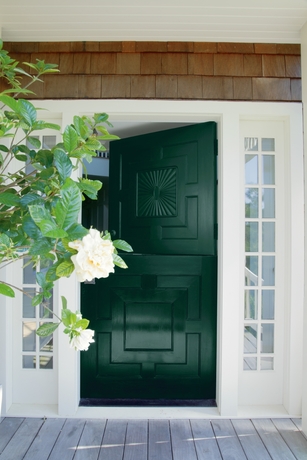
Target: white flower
82 341
94 258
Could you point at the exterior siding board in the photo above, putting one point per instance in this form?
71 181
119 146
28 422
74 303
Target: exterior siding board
167 70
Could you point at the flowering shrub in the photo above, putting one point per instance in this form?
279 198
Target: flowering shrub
40 203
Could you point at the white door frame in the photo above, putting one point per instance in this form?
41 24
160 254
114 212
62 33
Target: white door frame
230 243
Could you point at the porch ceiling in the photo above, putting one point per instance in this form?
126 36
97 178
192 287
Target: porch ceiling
265 21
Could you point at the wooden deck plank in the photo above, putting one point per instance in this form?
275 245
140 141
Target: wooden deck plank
272 440
182 440
90 441
8 428
250 440
227 439
136 445
22 439
159 440
293 437
68 440
204 440
112 447
45 440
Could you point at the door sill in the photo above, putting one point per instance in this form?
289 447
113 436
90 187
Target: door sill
92 402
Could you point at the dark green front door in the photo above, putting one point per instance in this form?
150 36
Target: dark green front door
155 323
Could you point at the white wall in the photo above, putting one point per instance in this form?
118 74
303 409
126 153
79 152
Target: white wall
304 99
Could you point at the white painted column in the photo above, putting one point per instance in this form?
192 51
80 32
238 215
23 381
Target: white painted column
68 359
230 266
304 99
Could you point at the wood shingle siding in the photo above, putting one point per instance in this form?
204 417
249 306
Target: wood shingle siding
166 70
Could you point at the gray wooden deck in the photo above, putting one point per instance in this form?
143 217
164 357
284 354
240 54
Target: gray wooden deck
84 439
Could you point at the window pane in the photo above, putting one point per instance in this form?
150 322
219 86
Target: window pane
268 144
268 169
267 364
28 362
268 202
267 338
46 362
29 273
268 236
250 364
250 338
251 271
251 236
27 310
28 336
250 143
43 312
46 343
268 270
251 304
251 202
268 304
251 169
49 142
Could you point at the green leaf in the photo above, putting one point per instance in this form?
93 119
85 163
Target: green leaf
5 240
47 173
67 209
27 111
9 199
40 124
62 163
10 102
122 245
37 299
82 323
51 230
47 329
64 302
40 247
30 228
6 290
4 148
119 261
39 213
21 157
81 127
70 138
65 268
36 143
68 317
76 232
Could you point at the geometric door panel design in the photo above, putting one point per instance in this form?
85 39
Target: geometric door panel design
163 187
155 333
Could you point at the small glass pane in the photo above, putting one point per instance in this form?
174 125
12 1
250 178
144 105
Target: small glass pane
28 336
267 338
268 236
251 169
268 144
46 343
28 311
48 142
268 169
250 338
268 304
250 364
251 236
251 304
28 362
267 364
43 312
250 143
268 270
29 272
251 271
268 203
46 362
251 202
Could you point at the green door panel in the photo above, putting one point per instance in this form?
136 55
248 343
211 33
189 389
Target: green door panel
155 322
163 190
155 330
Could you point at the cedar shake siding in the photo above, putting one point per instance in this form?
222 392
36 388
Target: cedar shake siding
166 70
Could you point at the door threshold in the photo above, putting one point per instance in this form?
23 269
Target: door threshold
98 402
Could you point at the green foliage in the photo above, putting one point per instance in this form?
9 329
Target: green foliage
40 203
